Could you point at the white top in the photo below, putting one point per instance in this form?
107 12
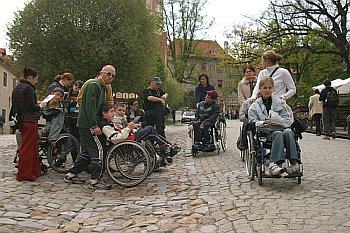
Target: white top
282 79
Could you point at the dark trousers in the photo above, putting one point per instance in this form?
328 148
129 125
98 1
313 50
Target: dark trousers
328 120
317 121
202 134
148 132
156 119
91 155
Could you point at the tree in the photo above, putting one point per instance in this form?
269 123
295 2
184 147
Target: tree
182 22
55 36
324 19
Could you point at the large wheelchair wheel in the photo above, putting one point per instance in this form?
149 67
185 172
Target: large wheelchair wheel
128 163
249 153
152 154
222 135
63 155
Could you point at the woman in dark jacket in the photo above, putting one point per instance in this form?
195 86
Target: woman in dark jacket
61 81
201 90
24 97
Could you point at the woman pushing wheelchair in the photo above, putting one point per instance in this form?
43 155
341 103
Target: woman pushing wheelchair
273 117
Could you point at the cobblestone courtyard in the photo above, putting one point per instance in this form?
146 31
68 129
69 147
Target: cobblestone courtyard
209 193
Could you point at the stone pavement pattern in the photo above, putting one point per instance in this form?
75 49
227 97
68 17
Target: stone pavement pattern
209 193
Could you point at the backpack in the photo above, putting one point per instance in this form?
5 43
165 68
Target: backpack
15 118
332 99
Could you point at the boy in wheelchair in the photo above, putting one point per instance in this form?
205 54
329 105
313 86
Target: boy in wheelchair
207 114
114 134
273 117
53 112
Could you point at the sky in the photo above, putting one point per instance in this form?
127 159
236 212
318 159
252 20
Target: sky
225 13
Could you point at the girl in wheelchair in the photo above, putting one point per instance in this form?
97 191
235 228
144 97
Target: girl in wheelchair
273 117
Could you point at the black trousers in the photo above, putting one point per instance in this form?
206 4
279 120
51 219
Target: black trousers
91 155
148 132
317 120
202 134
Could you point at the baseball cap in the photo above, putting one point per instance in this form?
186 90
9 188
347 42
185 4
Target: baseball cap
156 79
213 94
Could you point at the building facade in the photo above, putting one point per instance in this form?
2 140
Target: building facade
8 82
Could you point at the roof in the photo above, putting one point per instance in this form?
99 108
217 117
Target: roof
204 48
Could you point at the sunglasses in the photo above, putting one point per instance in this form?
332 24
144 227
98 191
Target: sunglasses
109 74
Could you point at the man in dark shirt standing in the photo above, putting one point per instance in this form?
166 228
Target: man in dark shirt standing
154 100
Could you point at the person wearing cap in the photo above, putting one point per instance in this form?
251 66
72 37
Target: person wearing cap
93 94
206 115
154 101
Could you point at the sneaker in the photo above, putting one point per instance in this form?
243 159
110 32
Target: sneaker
334 135
73 180
275 169
293 169
326 137
100 185
209 147
174 149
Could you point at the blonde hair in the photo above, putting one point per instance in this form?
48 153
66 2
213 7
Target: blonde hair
264 81
272 57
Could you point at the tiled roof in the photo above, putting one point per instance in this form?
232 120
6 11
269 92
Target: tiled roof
205 48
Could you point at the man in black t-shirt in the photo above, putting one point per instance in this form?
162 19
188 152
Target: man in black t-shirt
154 101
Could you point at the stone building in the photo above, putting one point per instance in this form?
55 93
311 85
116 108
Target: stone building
8 82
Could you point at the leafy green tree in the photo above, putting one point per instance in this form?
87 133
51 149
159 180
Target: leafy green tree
183 20
80 36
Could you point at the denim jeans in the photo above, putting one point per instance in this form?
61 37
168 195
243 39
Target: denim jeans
328 120
281 140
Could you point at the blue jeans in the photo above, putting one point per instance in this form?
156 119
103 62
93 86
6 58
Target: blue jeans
281 140
328 120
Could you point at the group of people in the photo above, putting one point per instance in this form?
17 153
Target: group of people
263 101
99 121
322 106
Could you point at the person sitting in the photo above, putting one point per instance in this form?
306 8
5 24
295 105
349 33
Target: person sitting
206 115
134 111
53 113
274 117
113 134
119 118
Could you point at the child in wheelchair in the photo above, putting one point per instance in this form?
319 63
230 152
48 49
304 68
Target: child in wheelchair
53 112
273 118
116 133
206 115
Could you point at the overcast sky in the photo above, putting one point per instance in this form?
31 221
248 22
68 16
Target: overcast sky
225 12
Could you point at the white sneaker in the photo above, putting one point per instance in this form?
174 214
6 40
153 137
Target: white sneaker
275 169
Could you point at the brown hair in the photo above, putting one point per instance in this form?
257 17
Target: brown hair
119 104
248 67
67 76
272 56
27 71
264 81
63 76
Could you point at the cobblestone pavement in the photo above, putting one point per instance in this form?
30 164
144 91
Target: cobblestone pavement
209 193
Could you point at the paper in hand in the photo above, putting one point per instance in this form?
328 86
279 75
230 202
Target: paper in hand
46 100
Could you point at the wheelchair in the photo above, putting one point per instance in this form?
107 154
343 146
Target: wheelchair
67 148
129 163
217 137
61 157
257 157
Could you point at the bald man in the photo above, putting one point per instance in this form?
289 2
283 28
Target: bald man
93 94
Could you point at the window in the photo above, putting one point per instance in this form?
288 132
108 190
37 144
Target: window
204 66
14 83
3 116
213 68
4 80
220 83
